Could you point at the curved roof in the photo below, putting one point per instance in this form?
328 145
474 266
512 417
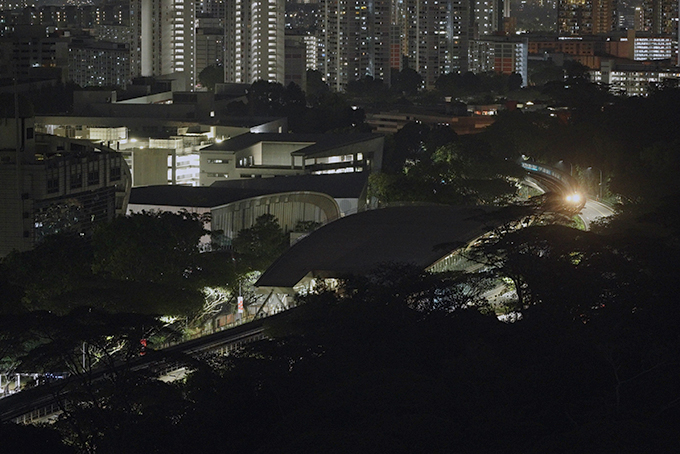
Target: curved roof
358 243
192 196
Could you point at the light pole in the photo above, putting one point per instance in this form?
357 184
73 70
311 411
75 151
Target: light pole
560 163
601 185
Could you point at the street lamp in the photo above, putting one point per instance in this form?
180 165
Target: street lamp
560 164
601 185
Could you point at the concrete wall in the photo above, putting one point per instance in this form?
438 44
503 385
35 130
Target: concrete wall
278 153
149 166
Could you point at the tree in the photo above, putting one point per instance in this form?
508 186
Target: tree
266 98
316 87
113 412
366 86
332 113
211 76
515 81
159 247
542 72
407 81
406 145
58 265
578 93
294 106
29 439
258 246
449 84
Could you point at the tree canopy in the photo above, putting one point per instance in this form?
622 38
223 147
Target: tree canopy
258 246
211 76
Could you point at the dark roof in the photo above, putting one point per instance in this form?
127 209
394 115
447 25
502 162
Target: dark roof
190 196
356 244
318 143
339 186
245 122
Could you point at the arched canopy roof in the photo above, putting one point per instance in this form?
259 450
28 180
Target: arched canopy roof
355 244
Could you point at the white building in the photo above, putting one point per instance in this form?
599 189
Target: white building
167 29
265 155
255 41
655 47
632 79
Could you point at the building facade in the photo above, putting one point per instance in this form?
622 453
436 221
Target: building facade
633 79
379 38
586 17
99 63
255 41
53 184
167 37
660 16
504 55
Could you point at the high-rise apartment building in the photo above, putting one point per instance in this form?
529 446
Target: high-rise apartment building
99 63
376 38
586 17
660 16
296 61
312 46
209 49
436 36
344 41
486 17
167 31
255 41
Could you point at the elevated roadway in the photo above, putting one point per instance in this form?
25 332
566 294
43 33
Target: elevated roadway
550 179
37 404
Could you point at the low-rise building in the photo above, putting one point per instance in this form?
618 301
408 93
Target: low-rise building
54 184
391 122
633 78
267 155
234 209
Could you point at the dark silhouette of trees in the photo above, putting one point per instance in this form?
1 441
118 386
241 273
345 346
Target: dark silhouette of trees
322 111
435 165
401 360
211 76
257 247
366 86
407 81
315 88
515 81
149 247
408 361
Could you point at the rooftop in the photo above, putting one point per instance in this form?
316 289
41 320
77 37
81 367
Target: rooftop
318 143
356 244
190 196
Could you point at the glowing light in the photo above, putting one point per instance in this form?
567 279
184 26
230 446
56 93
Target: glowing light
574 198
